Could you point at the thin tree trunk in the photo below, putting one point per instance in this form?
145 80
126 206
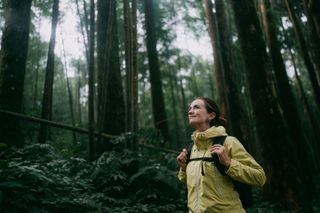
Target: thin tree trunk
128 58
91 110
195 88
78 96
135 71
183 105
175 112
36 82
82 27
304 51
158 105
69 91
46 112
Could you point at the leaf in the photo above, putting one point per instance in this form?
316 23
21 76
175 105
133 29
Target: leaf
11 184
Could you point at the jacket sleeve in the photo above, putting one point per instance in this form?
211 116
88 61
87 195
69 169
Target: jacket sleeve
182 176
243 166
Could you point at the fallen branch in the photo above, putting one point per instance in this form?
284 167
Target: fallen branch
75 129
52 123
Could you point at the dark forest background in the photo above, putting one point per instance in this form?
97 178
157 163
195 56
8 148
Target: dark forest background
101 132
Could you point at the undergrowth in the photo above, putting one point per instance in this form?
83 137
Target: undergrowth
37 179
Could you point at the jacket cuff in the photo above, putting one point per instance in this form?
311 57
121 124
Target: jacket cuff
233 165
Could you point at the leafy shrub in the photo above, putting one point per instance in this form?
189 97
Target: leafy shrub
37 179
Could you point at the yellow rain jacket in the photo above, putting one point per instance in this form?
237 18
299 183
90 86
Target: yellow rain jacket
214 192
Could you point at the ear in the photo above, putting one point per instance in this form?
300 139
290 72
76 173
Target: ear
212 115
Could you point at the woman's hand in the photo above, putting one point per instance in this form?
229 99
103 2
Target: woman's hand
222 154
182 159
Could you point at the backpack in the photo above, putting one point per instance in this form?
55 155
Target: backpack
244 190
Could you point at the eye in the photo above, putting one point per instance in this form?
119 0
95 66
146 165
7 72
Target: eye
194 107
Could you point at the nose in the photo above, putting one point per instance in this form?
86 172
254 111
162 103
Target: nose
190 111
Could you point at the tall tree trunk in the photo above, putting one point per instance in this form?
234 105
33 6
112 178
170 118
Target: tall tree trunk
78 96
114 118
14 50
285 162
135 71
173 98
183 104
236 114
91 62
220 80
82 29
158 105
46 112
69 91
36 80
130 25
111 119
128 58
304 51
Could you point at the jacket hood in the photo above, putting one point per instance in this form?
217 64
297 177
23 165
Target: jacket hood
203 138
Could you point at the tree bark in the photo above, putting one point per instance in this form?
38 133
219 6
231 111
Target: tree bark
69 91
130 28
219 74
304 51
91 66
46 112
236 115
110 94
158 105
14 50
128 59
135 71
285 162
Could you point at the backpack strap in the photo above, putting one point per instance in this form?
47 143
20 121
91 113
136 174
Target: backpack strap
222 168
215 159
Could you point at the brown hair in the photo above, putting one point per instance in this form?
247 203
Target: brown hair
211 106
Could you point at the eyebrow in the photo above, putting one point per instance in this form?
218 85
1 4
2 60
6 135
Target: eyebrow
198 105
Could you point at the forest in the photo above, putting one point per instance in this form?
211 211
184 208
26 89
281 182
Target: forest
94 103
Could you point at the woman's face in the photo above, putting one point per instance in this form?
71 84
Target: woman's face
199 116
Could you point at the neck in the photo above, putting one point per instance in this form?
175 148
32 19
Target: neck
203 127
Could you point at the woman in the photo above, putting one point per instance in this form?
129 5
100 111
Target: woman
208 190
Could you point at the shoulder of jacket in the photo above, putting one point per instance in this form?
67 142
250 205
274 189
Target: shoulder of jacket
230 140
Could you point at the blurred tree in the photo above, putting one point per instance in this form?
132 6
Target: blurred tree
46 111
158 106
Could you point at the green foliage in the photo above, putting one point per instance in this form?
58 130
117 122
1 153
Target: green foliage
36 178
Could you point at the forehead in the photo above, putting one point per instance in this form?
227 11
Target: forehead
198 102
